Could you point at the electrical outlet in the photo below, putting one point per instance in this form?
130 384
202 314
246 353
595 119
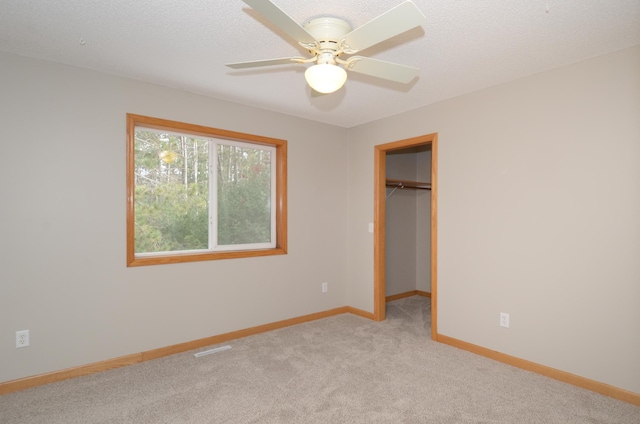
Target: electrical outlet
22 338
325 287
504 320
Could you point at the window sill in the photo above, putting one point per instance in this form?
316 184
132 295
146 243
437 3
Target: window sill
197 257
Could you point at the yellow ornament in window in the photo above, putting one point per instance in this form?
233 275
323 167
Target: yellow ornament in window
167 156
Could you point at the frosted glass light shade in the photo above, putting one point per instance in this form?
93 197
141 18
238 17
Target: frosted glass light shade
325 78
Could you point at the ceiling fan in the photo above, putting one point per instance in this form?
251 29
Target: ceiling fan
328 38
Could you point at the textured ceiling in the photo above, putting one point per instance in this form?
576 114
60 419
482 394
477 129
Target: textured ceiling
465 45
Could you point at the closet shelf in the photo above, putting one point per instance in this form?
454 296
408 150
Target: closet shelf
401 184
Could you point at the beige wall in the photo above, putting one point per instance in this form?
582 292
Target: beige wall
539 199
62 226
539 215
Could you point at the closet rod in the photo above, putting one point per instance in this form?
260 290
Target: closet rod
408 184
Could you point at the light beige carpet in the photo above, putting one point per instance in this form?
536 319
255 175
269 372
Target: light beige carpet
343 369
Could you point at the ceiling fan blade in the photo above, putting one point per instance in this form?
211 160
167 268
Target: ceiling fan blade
283 21
381 69
395 21
266 62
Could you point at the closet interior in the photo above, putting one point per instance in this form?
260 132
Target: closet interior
408 220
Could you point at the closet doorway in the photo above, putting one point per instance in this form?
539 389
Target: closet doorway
380 218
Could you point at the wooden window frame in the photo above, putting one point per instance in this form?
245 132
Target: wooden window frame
203 131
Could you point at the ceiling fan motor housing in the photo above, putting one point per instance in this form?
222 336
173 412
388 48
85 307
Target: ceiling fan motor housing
328 32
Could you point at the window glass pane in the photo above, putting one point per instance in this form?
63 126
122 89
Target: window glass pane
171 192
244 195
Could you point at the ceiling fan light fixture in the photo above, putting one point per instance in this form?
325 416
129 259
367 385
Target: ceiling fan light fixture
325 78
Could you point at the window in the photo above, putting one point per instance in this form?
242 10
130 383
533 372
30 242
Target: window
196 193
